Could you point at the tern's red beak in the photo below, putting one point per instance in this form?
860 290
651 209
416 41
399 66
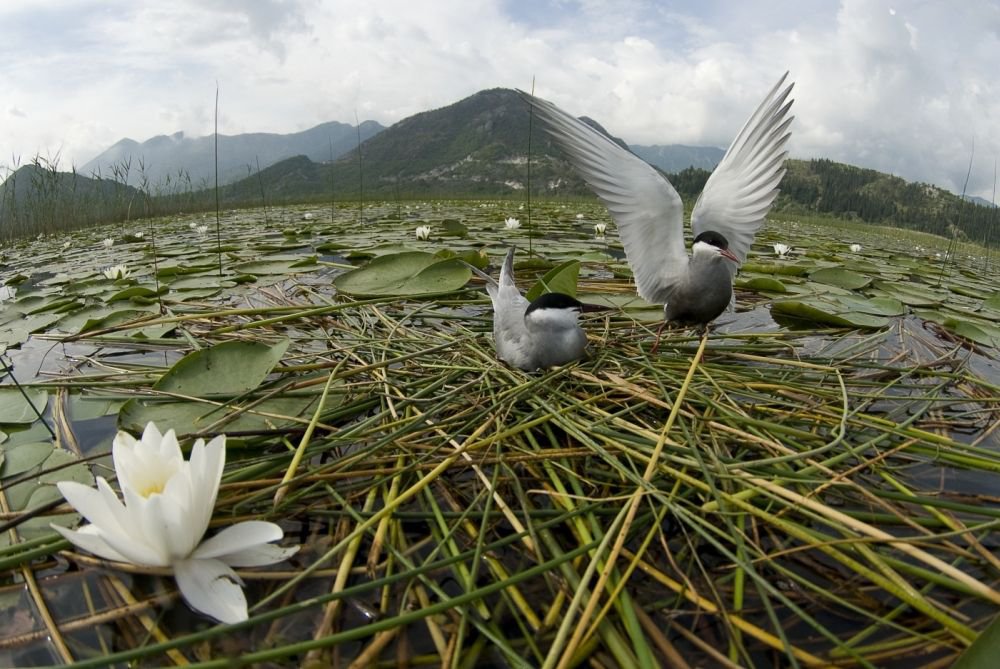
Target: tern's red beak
729 254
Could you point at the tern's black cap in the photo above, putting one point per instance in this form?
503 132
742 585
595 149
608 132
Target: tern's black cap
554 301
716 239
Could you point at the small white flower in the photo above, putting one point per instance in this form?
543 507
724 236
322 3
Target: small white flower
120 271
66 245
855 248
308 216
781 250
201 229
162 516
600 229
423 231
192 225
579 217
140 234
512 223
108 242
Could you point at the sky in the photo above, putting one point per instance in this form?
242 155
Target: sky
907 87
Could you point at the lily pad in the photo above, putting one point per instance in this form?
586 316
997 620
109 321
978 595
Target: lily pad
764 284
405 274
133 292
52 465
16 407
453 228
282 265
224 370
189 417
560 279
474 258
840 277
827 312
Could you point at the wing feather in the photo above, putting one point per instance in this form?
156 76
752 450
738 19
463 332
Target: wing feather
739 193
644 206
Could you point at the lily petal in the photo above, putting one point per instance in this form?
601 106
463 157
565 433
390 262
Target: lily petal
238 537
258 556
213 588
89 539
206 465
110 520
152 530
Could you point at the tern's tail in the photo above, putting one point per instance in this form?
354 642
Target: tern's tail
507 270
506 276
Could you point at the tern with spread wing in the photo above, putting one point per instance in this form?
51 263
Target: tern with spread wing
649 214
537 334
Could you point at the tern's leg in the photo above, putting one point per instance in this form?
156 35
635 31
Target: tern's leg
659 331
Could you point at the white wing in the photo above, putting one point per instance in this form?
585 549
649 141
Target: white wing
645 207
740 191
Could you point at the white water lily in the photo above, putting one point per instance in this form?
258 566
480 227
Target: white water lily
121 271
192 225
579 217
600 229
166 504
108 242
423 231
139 234
781 250
855 248
512 223
66 245
201 229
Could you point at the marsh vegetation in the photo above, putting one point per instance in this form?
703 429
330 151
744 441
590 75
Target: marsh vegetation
815 483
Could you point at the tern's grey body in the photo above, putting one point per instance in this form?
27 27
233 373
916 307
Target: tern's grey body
531 335
649 214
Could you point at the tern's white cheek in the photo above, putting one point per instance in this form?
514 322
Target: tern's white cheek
552 319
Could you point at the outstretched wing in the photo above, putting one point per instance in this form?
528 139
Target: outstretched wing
740 191
645 207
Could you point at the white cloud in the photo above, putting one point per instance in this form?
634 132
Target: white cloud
902 88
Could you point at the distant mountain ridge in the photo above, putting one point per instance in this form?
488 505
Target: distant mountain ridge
165 160
677 157
476 147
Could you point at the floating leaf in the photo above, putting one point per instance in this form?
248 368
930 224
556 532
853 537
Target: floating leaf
191 417
787 269
452 228
829 313
474 258
226 369
134 291
560 279
983 652
840 277
405 274
283 265
117 318
764 284
16 407
52 465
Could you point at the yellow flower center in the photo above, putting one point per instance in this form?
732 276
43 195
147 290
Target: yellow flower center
152 488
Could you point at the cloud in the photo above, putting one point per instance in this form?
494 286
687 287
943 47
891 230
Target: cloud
877 85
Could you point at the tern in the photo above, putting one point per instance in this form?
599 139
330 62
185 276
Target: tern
537 334
649 213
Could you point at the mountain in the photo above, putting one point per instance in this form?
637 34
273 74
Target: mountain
38 198
174 162
677 157
476 146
